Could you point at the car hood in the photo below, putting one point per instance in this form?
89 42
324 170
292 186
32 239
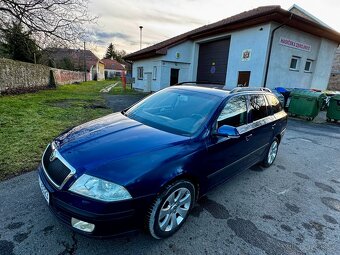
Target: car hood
114 137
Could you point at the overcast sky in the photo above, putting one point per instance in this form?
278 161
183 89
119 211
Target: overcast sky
119 20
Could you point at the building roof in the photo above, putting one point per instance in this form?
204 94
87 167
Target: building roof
76 56
112 64
302 12
242 20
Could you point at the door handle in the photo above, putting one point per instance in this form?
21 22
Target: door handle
273 126
248 137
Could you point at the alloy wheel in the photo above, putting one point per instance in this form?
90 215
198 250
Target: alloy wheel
174 209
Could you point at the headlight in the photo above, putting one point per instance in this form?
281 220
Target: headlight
99 189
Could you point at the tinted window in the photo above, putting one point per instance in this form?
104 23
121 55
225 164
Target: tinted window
274 103
258 107
234 113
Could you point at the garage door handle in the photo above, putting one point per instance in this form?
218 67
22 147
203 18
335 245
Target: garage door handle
248 137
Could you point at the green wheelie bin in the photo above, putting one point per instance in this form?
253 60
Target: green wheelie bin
305 102
333 111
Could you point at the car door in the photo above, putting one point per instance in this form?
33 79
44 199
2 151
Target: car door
278 113
261 124
226 156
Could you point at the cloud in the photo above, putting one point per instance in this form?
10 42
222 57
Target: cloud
110 35
119 20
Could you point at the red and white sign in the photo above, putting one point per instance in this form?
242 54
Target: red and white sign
296 45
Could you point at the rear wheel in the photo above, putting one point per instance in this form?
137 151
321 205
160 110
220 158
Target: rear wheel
171 209
271 154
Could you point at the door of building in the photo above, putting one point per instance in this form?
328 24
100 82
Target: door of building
243 78
148 82
212 61
174 73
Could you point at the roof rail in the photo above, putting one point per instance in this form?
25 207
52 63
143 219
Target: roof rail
199 82
242 89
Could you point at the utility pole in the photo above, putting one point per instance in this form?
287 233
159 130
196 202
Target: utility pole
85 78
140 36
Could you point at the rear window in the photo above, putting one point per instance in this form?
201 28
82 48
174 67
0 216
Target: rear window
258 107
274 104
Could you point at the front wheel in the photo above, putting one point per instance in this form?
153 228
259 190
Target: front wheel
171 209
271 154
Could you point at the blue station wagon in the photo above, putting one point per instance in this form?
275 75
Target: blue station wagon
146 166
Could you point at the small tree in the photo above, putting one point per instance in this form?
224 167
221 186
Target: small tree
120 55
18 44
110 52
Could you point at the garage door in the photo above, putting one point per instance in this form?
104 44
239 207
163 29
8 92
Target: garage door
212 61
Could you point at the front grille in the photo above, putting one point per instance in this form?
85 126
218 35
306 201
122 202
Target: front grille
56 170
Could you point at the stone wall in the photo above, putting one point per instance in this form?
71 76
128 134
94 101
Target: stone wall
62 77
15 75
334 80
18 77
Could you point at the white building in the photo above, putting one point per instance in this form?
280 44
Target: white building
266 46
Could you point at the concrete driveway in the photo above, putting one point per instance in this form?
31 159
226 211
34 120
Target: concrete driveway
291 208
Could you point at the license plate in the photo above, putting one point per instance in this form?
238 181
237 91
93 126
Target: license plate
44 191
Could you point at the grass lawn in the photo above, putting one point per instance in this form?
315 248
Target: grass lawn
29 121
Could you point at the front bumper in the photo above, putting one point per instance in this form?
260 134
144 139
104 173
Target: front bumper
110 219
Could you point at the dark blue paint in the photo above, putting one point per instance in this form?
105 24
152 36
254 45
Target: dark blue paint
144 159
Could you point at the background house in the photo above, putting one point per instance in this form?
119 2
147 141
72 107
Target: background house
73 59
113 68
267 46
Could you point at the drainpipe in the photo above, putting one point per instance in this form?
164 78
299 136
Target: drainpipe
270 49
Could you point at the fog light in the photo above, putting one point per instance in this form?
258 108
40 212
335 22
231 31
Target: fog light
82 225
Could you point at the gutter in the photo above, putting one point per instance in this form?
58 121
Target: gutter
270 48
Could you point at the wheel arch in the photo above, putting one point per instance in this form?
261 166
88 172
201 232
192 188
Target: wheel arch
185 177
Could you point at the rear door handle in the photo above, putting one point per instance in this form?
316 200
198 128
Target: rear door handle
248 137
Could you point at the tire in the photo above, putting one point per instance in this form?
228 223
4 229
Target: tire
174 211
271 153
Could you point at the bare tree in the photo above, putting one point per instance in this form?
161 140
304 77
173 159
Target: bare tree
49 20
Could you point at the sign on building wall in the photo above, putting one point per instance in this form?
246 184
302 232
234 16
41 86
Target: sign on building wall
296 45
246 55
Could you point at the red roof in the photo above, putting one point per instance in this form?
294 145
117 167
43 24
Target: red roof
112 64
242 20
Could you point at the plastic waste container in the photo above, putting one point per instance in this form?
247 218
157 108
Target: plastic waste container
285 93
305 103
333 111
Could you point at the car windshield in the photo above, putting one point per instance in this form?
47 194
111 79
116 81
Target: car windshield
175 110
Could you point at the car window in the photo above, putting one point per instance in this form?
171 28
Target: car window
274 104
234 113
175 110
258 107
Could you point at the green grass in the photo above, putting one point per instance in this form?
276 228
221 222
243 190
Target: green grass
118 90
29 121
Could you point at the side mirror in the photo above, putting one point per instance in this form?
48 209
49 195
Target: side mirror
227 131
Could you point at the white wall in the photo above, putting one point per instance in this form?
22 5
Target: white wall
323 66
256 39
321 53
164 63
147 65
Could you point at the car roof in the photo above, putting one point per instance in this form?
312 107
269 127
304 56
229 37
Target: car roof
218 91
211 91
